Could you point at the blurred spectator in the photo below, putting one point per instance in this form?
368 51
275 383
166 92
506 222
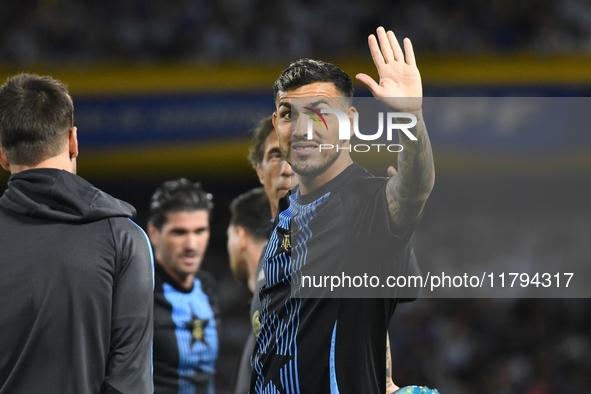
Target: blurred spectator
531 346
80 32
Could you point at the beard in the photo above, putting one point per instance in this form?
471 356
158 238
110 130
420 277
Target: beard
240 271
305 167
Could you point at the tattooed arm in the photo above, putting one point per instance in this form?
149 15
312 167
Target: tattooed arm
390 386
408 192
400 90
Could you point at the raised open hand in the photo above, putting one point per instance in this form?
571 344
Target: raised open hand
400 86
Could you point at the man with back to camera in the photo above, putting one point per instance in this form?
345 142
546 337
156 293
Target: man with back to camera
76 284
276 176
185 304
250 213
336 345
247 238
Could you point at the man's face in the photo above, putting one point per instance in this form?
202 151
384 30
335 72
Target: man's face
291 124
181 243
238 262
274 172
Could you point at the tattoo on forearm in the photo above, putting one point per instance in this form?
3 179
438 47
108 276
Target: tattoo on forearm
389 380
408 191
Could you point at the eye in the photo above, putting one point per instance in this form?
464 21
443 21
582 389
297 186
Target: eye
273 155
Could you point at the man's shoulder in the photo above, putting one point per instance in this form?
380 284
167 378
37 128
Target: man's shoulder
60 196
354 183
361 186
361 175
128 234
127 224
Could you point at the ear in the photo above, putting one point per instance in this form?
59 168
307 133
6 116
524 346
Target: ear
260 173
351 111
243 237
275 121
4 160
153 233
73 142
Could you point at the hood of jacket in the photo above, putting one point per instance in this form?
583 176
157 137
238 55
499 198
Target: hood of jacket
59 195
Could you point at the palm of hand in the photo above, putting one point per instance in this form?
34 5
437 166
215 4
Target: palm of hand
399 87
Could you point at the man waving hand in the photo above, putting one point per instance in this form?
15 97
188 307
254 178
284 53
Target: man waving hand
339 218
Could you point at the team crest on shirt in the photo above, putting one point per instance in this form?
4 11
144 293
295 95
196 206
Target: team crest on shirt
197 328
256 323
286 242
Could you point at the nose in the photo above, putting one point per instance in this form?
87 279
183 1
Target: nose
192 242
300 129
285 168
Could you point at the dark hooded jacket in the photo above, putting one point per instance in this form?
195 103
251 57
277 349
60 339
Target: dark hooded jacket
76 283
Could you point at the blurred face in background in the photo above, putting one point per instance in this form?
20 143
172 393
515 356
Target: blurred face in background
274 172
179 246
236 246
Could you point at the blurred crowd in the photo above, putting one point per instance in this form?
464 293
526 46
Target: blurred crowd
255 31
494 346
508 345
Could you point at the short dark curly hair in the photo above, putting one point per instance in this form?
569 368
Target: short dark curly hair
306 71
259 136
179 195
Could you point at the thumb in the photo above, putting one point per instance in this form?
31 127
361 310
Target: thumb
392 171
369 82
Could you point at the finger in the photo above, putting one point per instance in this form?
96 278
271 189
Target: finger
368 81
398 55
409 52
392 171
376 54
385 45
